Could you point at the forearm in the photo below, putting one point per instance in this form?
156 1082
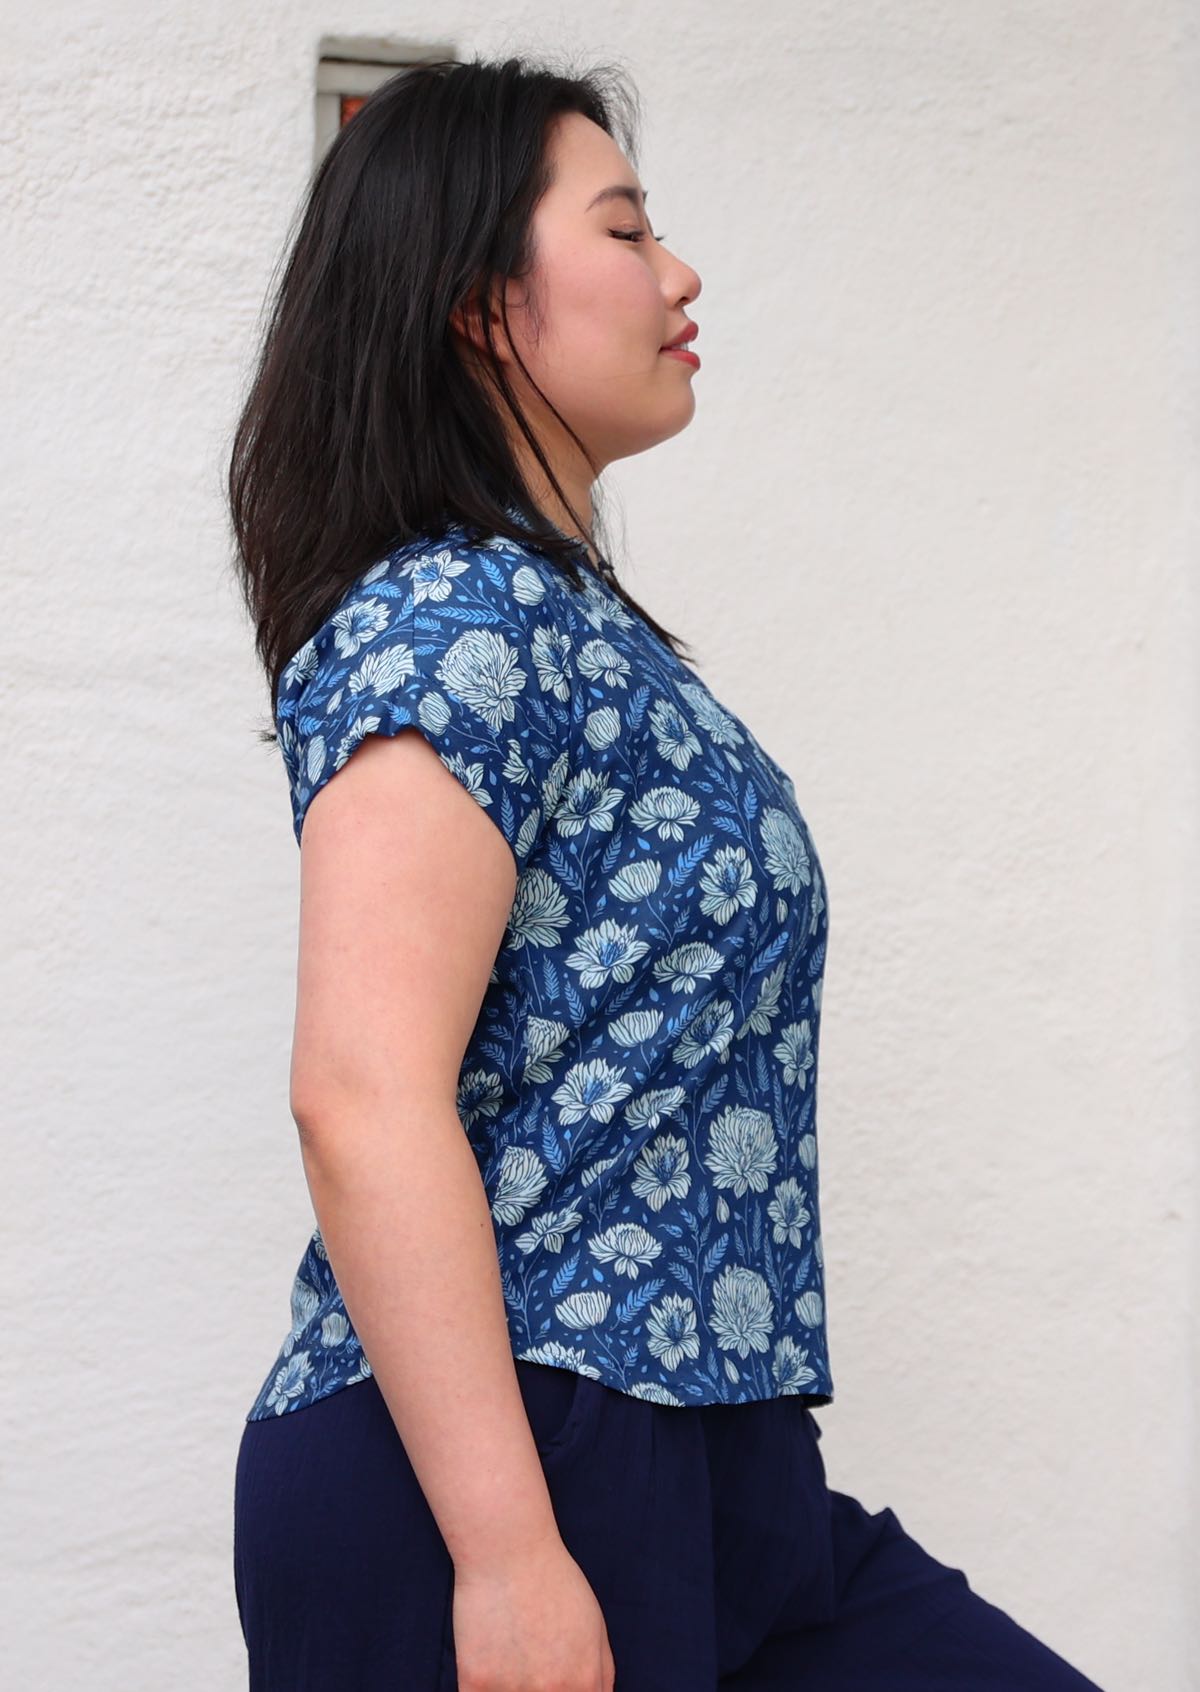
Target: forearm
405 1221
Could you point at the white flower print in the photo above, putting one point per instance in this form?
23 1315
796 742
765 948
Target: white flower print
482 670
552 659
687 965
601 662
539 911
727 884
677 743
709 1033
790 1368
359 623
549 1231
521 1180
628 1246
635 1028
717 723
289 1382
587 802
606 953
650 1108
795 1052
480 1092
666 811
742 1149
636 881
433 575
810 1309
590 1092
671 1331
601 727
784 850
789 1213
660 1172
583 1309
742 1312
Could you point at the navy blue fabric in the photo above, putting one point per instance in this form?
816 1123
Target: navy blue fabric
640 1086
721 1559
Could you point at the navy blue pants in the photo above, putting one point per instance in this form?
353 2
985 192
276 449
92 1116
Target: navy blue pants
718 1555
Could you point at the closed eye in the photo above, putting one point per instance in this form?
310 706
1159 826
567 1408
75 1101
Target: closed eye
634 235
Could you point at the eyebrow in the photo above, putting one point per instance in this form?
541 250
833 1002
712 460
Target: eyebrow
620 191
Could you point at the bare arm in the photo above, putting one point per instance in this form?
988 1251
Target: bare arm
406 887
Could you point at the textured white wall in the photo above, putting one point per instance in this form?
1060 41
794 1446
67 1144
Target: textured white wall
934 533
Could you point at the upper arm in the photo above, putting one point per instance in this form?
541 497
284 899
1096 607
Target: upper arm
405 891
425 730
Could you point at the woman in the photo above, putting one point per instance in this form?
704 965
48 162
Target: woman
544 1415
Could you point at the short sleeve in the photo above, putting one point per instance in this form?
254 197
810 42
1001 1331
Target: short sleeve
464 641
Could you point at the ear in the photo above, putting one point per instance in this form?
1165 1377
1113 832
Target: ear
466 321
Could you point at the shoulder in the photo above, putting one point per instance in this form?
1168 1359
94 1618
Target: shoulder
473 642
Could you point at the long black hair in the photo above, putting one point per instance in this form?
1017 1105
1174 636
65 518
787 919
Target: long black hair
363 428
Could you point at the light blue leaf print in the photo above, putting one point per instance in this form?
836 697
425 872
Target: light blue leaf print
685 864
702 1202
636 709
762 1070
766 957
816 960
610 854
550 978
672 1228
508 815
751 801
713 1095
631 1354
477 615
800 1270
574 1002
552 1150
756 1238
544 711
493 572
563 868
681 1269
714 1255
637 1300
385 589
564 1276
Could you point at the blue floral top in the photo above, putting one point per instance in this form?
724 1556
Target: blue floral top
639 1089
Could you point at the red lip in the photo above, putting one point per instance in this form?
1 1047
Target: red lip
689 334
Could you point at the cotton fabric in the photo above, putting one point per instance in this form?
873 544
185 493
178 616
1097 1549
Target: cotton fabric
640 1086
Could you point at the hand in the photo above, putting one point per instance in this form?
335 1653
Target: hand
531 1625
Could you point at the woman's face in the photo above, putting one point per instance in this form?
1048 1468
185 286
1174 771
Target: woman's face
609 297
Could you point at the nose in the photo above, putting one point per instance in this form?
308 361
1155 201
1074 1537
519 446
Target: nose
682 283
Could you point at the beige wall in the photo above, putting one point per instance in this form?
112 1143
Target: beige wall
934 532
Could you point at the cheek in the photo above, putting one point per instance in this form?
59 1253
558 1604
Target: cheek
608 299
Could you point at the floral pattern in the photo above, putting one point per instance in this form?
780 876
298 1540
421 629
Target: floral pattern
640 1086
